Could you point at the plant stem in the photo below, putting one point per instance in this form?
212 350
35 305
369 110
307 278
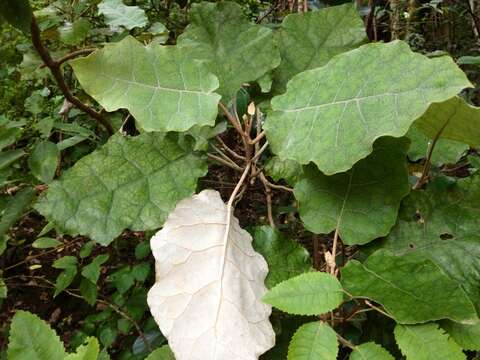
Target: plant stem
476 20
258 138
334 249
74 54
238 186
224 162
345 342
268 195
395 6
55 69
230 151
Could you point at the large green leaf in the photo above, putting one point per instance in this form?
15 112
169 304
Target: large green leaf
465 335
31 338
306 294
313 341
237 51
17 12
363 202
426 342
442 224
453 119
162 86
309 40
285 257
370 351
117 14
445 152
411 288
129 183
332 115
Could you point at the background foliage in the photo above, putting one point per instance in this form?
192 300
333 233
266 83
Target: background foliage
79 204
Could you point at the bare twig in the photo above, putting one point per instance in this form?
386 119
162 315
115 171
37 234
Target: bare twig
55 69
238 186
224 162
258 138
259 152
70 56
74 54
43 253
268 12
279 187
345 342
222 154
268 195
378 309
428 161
229 150
232 119
476 20
129 318
334 249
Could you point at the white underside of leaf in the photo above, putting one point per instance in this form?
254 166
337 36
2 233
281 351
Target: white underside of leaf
209 284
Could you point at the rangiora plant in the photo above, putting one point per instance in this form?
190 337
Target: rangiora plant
331 127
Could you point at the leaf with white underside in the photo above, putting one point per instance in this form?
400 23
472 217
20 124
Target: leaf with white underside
454 120
363 202
426 342
332 115
162 86
117 14
209 284
306 294
465 335
313 341
236 50
370 351
309 40
128 183
411 288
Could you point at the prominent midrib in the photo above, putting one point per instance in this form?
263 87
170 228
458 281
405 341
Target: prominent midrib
223 264
153 87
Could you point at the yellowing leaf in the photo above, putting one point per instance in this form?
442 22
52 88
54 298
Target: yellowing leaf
210 281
